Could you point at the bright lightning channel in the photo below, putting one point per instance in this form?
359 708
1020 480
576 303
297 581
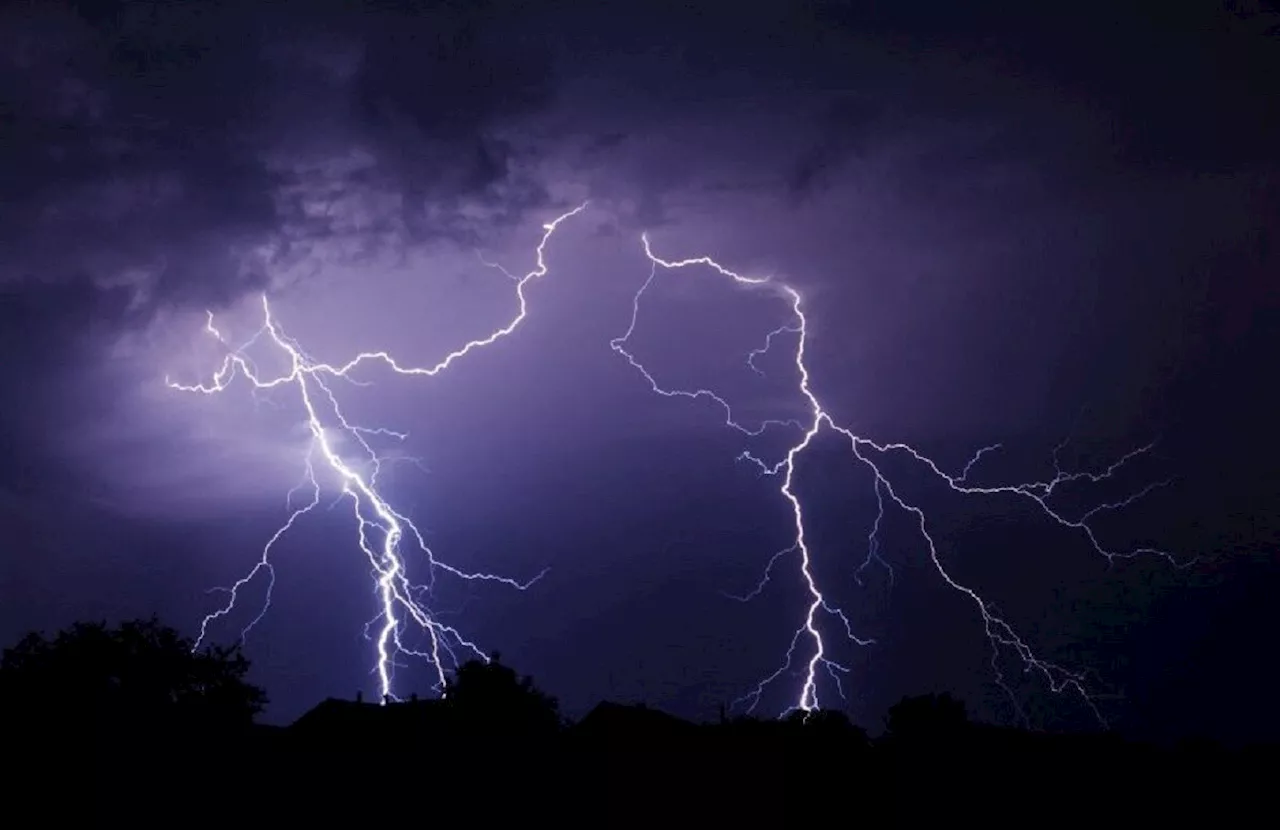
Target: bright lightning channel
381 529
808 635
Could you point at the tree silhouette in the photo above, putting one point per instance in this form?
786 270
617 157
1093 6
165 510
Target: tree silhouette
829 725
492 696
927 718
138 676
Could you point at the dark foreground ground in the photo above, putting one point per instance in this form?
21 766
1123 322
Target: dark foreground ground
704 776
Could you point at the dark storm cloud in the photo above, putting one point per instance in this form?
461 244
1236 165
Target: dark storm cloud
1182 87
178 155
161 157
121 166
845 130
180 149
184 150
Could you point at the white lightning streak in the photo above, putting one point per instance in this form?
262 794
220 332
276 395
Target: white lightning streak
1000 634
381 529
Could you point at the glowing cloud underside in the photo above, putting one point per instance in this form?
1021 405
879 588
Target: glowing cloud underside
392 543
819 613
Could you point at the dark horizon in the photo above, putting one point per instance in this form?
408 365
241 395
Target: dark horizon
1049 228
174 717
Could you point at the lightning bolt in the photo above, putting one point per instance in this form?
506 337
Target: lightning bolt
383 534
808 644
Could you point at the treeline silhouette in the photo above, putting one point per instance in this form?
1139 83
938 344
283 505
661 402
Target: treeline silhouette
135 709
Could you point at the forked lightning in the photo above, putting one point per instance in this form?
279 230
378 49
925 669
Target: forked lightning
381 529
819 609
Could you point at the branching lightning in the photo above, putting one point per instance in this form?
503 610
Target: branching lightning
381 530
819 612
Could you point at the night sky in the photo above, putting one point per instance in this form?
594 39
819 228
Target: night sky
1013 225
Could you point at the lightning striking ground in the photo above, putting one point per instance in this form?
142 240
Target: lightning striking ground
381 530
819 612
402 602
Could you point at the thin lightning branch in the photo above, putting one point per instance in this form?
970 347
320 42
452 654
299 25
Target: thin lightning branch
618 344
381 530
808 638
764 578
768 344
873 541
